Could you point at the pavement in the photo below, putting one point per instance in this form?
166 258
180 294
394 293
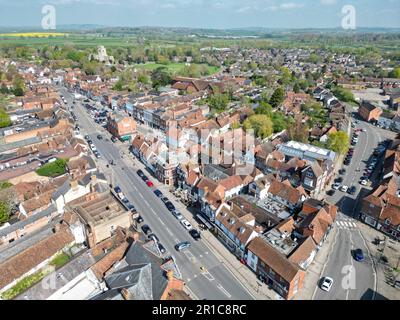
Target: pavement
217 282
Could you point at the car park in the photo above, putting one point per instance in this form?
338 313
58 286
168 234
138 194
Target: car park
186 224
146 229
326 284
182 245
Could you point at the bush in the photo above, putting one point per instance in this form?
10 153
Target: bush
53 169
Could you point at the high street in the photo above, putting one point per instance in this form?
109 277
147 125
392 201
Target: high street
216 282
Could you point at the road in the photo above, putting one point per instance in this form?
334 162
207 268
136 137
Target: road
217 282
352 279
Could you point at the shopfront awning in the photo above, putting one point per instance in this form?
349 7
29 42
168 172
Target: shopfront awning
204 221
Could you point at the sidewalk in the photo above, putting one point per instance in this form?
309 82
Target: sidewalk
316 268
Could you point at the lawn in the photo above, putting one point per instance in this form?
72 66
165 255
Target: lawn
53 169
172 67
60 259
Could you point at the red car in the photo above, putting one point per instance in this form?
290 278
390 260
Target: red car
149 183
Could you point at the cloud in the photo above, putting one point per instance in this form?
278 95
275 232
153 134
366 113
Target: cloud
290 6
328 2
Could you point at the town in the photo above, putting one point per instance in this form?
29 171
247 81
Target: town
202 172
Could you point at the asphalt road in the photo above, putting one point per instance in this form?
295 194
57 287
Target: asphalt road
217 282
353 280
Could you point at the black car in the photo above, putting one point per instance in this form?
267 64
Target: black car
352 190
153 237
342 171
139 219
330 192
99 137
165 200
170 206
126 201
113 139
144 178
161 248
140 173
195 234
146 229
158 193
117 189
87 137
339 180
131 207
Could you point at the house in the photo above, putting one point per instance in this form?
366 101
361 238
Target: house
314 178
234 227
96 216
369 112
284 193
273 268
121 127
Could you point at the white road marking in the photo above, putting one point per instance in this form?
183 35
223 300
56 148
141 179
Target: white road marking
208 276
169 232
220 287
345 223
188 254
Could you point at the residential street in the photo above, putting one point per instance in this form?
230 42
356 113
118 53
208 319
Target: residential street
216 282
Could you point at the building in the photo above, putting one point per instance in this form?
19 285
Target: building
369 112
121 127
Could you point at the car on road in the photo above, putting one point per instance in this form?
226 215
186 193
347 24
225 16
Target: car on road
161 248
131 207
153 237
186 224
140 173
113 139
158 193
125 200
352 190
344 188
165 200
170 206
195 234
97 154
117 189
342 171
358 255
99 136
177 214
182 245
330 192
146 229
149 183
336 186
139 219
326 284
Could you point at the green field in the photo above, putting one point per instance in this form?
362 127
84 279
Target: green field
172 67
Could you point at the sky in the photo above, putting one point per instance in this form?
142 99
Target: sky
203 13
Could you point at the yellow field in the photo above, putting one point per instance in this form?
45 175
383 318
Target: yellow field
33 34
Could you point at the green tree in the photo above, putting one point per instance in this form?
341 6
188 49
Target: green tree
277 97
261 124
4 212
296 88
218 102
264 108
395 73
338 142
5 120
53 169
343 94
160 77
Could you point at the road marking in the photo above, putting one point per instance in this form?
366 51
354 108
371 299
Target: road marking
208 275
345 223
220 287
169 232
188 254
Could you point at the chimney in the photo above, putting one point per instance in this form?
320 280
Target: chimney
126 294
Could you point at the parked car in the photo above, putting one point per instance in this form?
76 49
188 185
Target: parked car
339 180
161 248
158 193
186 224
336 186
153 237
342 171
344 188
140 173
330 192
117 189
99 137
165 200
182 245
139 219
170 206
358 255
363 182
352 190
177 214
326 284
131 207
195 234
149 183
113 139
146 229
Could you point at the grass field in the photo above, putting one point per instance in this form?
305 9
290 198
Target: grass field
172 67
33 34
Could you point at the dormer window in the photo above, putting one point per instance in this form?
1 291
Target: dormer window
231 221
242 230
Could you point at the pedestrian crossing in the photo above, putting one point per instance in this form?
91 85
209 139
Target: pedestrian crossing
346 224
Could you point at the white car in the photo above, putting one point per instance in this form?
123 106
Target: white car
186 224
344 188
336 186
327 284
363 182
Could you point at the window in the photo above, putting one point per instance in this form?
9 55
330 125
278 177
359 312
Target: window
387 221
271 272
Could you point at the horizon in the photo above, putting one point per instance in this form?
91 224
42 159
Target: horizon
203 14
